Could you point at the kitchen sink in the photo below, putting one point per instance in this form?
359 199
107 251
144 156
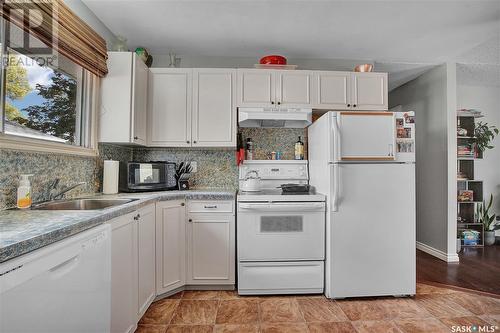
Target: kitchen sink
82 204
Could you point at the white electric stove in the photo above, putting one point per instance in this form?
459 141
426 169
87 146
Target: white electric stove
280 236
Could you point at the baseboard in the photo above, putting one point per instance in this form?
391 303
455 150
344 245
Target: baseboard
448 257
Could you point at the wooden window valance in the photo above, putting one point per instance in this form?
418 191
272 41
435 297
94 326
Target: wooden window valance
58 27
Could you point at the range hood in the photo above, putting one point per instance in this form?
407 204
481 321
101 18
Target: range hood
274 118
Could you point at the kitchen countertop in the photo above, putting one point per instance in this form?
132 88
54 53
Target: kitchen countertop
23 231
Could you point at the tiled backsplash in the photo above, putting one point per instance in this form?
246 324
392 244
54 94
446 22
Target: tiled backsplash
267 140
216 166
46 167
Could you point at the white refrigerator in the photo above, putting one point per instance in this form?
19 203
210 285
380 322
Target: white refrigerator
365 163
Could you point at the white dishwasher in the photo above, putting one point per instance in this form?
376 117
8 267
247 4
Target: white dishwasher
63 287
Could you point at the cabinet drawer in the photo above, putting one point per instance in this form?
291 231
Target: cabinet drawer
212 206
280 277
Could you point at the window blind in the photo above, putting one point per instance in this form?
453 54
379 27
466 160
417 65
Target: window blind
58 27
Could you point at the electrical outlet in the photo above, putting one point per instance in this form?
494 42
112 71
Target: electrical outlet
194 166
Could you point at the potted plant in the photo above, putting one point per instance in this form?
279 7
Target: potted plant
484 134
488 220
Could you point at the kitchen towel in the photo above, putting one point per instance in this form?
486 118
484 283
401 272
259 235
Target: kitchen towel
110 177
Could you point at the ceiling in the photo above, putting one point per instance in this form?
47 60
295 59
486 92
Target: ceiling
404 37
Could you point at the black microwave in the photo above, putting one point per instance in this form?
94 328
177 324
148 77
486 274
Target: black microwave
147 176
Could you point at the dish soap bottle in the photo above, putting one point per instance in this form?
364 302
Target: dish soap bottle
24 192
299 150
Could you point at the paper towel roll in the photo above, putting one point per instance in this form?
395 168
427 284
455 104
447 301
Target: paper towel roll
110 177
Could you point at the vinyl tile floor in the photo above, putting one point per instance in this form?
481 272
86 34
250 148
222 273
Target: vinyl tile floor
433 309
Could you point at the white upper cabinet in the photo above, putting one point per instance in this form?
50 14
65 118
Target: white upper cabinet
369 91
214 108
140 102
256 87
332 90
170 245
293 88
170 101
192 108
122 115
350 91
273 88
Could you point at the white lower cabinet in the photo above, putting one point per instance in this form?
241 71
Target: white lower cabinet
149 258
170 245
146 257
210 243
132 267
123 274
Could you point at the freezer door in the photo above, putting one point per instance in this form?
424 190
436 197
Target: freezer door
365 136
372 233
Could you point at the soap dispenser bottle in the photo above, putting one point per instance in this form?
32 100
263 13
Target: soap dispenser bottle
24 192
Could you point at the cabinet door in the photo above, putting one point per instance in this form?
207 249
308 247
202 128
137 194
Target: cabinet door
294 88
139 100
332 90
146 258
169 115
115 107
211 249
369 91
214 108
170 245
256 87
123 274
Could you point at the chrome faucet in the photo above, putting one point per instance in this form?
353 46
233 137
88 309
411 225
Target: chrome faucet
59 194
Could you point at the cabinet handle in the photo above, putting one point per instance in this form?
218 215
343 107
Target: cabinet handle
194 141
279 103
272 102
187 141
190 220
348 105
354 105
211 206
136 137
137 217
183 204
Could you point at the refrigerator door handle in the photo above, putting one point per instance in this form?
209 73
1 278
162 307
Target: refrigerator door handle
336 139
335 186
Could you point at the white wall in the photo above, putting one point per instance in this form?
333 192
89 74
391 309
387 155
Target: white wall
80 9
486 99
432 97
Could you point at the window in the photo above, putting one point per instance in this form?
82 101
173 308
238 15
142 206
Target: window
43 100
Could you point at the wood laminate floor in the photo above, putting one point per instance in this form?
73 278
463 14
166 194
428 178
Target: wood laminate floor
478 269
433 309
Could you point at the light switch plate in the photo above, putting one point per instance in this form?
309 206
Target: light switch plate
194 166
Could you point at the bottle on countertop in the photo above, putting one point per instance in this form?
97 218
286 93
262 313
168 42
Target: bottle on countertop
24 192
240 150
299 150
249 149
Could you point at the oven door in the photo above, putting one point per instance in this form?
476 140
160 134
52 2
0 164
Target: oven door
285 231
